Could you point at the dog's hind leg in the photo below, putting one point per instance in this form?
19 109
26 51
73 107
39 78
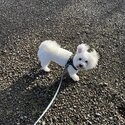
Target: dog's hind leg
44 64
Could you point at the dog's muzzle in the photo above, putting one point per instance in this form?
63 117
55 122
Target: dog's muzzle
81 66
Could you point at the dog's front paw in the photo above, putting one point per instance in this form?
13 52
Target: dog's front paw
46 69
75 78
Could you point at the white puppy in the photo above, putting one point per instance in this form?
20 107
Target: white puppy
51 51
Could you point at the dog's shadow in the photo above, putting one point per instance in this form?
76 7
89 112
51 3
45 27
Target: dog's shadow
25 100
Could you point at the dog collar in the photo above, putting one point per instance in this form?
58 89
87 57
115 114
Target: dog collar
70 62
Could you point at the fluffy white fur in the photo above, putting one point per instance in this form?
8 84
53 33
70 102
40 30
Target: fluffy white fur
51 51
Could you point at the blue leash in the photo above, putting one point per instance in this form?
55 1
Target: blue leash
57 91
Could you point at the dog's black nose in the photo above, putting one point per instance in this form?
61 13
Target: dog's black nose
80 65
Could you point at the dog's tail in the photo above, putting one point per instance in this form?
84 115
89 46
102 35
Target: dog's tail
49 46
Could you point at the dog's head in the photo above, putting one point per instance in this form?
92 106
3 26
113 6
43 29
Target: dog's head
85 59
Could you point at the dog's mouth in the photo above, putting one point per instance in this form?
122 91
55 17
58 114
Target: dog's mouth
79 66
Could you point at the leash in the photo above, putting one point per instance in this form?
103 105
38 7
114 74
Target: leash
57 91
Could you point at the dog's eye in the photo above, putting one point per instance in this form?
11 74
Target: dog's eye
80 59
86 61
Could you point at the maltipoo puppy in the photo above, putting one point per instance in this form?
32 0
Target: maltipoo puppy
51 51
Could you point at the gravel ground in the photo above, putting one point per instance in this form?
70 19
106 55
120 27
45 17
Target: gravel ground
25 91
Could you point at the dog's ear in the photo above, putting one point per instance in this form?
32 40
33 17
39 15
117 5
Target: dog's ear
95 54
79 49
82 47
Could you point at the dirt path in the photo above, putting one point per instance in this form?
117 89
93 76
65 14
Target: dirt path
98 98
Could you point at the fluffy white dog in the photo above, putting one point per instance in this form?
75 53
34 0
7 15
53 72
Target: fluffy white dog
51 51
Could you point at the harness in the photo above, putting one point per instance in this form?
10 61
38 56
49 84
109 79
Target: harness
70 62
